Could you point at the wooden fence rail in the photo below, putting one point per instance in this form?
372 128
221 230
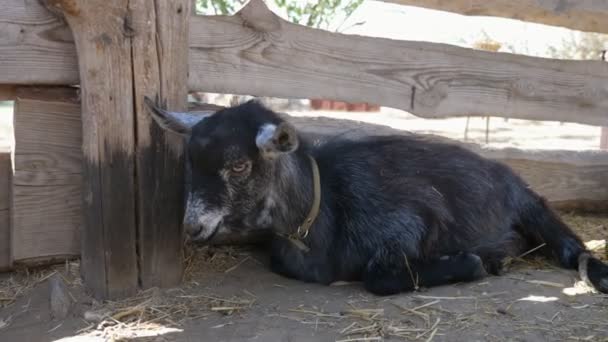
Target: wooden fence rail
257 53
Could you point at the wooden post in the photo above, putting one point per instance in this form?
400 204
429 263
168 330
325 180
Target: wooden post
160 60
7 93
133 179
5 181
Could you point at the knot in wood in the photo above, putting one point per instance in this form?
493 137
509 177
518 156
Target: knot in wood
258 17
68 7
127 27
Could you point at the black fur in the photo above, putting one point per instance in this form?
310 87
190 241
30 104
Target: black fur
397 212
389 197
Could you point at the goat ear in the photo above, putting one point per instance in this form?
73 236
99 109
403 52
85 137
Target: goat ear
180 123
276 139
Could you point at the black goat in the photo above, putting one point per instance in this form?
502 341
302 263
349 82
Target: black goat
396 212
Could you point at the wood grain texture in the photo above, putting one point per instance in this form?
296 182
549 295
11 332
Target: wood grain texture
160 67
35 46
134 49
255 52
46 222
604 138
46 189
5 191
5 241
5 178
582 15
102 31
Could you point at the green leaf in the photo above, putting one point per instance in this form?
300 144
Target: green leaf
319 15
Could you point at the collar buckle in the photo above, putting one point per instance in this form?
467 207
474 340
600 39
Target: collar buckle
302 233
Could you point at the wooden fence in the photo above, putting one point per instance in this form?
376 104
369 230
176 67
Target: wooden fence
93 176
5 180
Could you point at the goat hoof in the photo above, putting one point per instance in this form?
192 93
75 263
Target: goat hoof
472 265
597 272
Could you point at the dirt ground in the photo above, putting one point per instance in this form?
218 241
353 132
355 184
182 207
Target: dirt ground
501 133
229 294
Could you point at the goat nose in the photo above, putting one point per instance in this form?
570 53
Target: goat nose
192 229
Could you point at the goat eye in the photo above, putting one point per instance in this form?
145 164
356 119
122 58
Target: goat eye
240 167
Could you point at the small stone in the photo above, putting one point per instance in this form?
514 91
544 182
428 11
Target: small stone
60 299
4 323
95 316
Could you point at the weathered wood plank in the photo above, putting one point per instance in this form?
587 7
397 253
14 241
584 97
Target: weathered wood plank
102 31
5 190
133 49
46 222
46 189
583 15
567 185
35 46
257 53
5 242
160 66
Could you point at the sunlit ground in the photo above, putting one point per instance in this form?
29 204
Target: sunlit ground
6 123
499 133
524 134
123 332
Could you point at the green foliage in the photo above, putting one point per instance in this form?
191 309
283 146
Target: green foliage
320 14
584 45
317 14
213 7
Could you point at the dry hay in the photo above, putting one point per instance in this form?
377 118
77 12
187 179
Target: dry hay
355 324
22 280
154 310
427 317
593 230
199 260
150 312
422 322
